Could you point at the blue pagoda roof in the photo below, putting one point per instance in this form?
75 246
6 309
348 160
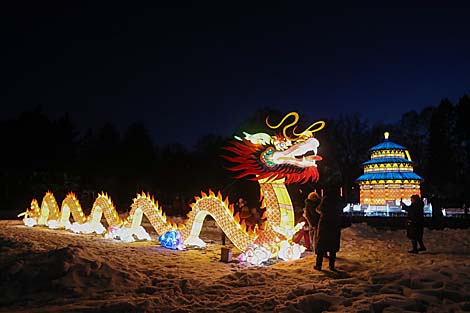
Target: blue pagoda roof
390 176
386 160
387 145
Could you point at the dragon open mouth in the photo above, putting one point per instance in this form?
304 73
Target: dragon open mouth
310 156
301 155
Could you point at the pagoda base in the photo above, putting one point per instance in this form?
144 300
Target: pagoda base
387 195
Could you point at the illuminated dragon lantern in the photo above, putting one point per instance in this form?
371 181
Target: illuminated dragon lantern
273 161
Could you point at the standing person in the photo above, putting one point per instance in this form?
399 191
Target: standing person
312 202
245 214
241 203
329 229
304 232
415 223
254 219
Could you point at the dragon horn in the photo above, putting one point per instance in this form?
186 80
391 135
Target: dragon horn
284 131
307 132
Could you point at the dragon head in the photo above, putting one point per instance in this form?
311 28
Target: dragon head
261 156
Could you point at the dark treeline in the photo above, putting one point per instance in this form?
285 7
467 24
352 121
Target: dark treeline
41 154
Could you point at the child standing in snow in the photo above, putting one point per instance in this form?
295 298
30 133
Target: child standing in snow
305 231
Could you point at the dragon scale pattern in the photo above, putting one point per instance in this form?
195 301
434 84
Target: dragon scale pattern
279 213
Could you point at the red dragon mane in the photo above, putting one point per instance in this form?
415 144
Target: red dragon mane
247 156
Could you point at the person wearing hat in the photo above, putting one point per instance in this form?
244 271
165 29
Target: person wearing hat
312 202
329 229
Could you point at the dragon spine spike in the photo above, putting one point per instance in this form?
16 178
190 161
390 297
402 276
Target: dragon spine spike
236 217
264 225
243 225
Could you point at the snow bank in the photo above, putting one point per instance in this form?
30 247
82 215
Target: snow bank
44 270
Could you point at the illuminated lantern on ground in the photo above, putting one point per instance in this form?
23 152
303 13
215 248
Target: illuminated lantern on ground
172 240
388 177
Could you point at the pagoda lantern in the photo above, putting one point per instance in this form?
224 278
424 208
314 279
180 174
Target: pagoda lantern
388 176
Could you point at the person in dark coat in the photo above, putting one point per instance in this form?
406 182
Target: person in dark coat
312 202
415 223
329 229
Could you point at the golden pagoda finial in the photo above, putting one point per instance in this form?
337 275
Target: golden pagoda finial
386 134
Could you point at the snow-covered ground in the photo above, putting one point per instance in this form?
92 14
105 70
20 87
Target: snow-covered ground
44 270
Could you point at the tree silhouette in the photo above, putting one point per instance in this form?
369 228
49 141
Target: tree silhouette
441 146
45 154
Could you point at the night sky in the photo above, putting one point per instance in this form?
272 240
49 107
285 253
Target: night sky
203 68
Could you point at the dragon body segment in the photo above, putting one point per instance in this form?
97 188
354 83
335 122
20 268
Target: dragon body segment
273 161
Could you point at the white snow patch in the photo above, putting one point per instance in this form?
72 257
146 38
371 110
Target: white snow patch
44 270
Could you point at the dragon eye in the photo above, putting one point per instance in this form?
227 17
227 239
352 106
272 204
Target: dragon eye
282 144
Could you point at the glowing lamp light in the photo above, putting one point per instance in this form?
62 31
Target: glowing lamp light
127 234
255 255
29 221
141 233
288 232
172 240
289 252
87 228
257 139
122 234
52 224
